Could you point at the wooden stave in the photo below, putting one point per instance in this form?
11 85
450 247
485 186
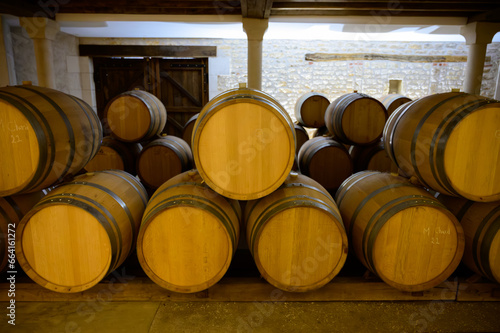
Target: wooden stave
481 224
83 129
128 152
12 210
156 109
173 190
398 188
314 145
187 131
316 123
297 191
405 135
362 155
393 101
235 96
178 146
335 112
130 207
301 136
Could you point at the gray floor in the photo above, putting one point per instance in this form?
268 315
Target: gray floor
207 317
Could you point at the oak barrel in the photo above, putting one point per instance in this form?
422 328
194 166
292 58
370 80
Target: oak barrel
81 231
135 116
481 224
162 159
188 234
12 210
393 101
372 157
356 119
237 135
116 155
296 235
45 135
322 131
399 231
310 109
301 136
450 142
326 161
187 131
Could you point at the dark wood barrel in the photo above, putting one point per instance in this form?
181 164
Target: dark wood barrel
450 143
393 101
310 109
162 159
115 155
373 157
12 210
188 234
326 161
356 119
45 136
399 231
237 135
481 224
81 231
301 136
135 116
322 131
286 231
187 131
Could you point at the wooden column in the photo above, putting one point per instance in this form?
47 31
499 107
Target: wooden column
43 31
477 35
255 29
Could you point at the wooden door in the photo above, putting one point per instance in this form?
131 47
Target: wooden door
181 84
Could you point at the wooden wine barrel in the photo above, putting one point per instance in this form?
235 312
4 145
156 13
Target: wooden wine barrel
450 142
188 234
310 109
481 224
356 119
373 157
81 231
115 155
322 131
399 231
45 135
237 135
301 136
326 161
296 235
12 210
393 101
187 131
162 159
135 116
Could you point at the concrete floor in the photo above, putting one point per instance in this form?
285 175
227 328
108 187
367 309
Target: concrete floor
154 317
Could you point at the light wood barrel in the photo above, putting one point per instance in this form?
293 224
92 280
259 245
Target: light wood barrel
326 161
135 116
188 234
187 131
45 135
301 136
373 157
450 142
296 235
310 109
81 231
399 231
481 224
393 101
12 210
356 119
237 135
163 159
115 155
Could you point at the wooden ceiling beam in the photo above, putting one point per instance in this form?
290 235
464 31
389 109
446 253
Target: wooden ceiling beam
490 16
384 5
326 12
256 8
